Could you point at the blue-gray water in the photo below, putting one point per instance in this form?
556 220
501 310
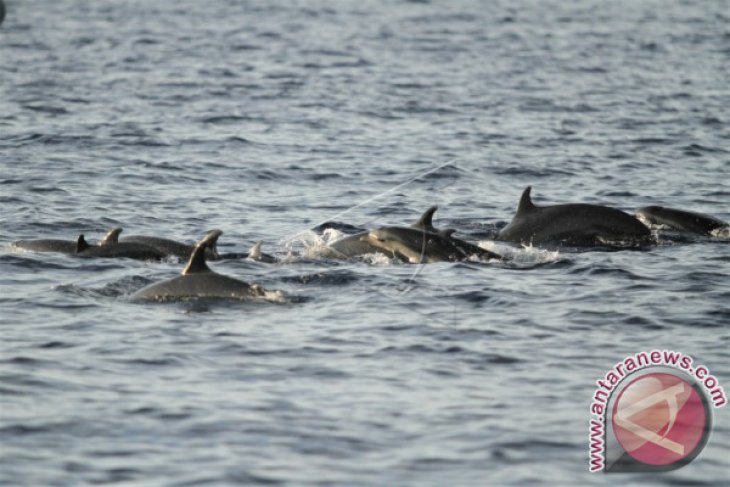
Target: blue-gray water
264 119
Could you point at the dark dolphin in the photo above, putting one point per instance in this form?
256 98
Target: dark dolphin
574 224
681 220
359 244
111 248
423 243
173 247
199 281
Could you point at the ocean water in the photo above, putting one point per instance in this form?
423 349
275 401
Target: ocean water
266 119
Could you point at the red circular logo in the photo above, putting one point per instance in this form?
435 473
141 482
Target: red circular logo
659 419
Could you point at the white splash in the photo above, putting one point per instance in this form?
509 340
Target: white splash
527 254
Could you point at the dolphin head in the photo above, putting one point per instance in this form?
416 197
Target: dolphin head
406 243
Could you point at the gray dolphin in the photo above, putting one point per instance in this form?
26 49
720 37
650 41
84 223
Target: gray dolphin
359 244
68 247
110 247
199 281
682 220
574 224
423 243
256 254
173 247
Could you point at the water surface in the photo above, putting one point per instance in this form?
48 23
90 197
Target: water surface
265 119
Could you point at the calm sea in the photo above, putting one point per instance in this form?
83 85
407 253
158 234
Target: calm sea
265 119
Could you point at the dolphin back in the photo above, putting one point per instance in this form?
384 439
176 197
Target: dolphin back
681 220
573 224
47 245
200 286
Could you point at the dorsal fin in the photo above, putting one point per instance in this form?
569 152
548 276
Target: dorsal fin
81 244
212 237
111 237
255 252
426 220
197 264
525 202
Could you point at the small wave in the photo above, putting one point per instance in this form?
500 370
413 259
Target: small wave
421 348
200 303
343 228
56 345
697 149
22 381
51 110
26 361
226 119
16 259
530 173
523 452
597 270
153 362
521 255
331 278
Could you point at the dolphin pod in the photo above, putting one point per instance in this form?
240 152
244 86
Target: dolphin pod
111 248
571 224
183 251
199 281
69 247
139 247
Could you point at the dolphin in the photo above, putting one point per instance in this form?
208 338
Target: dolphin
199 281
173 247
2 12
574 224
423 243
358 243
110 247
256 254
61 246
681 220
